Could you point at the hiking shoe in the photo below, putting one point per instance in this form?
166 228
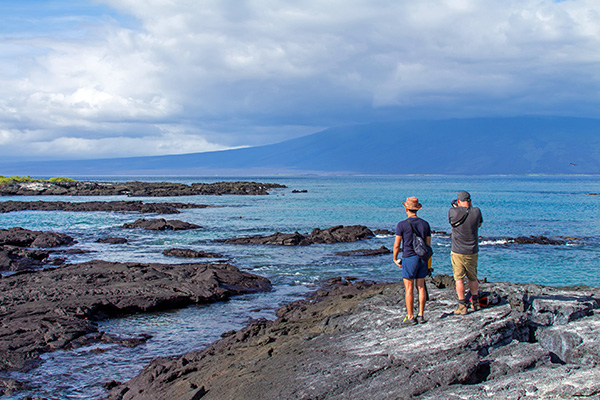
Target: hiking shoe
461 309
420 319
475 303
408 322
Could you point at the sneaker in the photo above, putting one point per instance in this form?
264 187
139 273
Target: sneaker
461 309
475 303
409 322
420 319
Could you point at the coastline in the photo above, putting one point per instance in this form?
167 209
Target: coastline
234 216
346 343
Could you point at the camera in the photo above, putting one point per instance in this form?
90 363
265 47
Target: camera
454 203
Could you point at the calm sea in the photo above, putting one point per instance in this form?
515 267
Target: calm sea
512 206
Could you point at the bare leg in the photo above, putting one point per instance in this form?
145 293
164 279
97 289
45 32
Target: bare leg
473 287
409 297
422 295
460 289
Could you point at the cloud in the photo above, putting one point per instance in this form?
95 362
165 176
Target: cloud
226 74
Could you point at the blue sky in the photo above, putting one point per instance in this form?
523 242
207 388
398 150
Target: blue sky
112 78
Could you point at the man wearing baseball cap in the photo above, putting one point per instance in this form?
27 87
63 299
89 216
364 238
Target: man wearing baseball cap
465 221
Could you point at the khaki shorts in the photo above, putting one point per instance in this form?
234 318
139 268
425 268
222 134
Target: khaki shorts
464 264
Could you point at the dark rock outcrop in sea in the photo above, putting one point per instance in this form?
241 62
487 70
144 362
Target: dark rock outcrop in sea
347 344
161 224
364 252
335 234
190 253
112 240
135 188
136 206
57 308
16 251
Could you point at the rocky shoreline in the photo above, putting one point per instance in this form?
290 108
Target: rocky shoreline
122 206
134 188
345 342
57 308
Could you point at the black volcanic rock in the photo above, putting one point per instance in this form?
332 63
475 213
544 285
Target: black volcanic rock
536 240
347 343
26 238
56 308
161 225
112 240
135 188
190 253
364 252
335 234
136 206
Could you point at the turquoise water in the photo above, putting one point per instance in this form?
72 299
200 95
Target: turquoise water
553 206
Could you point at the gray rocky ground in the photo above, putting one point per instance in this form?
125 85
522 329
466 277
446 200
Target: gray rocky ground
347 343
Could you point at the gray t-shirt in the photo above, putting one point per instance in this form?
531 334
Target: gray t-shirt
465 235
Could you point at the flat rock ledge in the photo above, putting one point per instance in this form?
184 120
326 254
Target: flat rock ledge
56 309
335 234
135 188
161 224
87 206
347 343
16 245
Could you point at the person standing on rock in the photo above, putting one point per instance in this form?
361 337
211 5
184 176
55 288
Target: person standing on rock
414 269
465 221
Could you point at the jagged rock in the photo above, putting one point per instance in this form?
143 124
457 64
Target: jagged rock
26 238
13 258
135 188
54 309
189 253
15 248
112 240
129 206
161 225
335 234
347 343
365 252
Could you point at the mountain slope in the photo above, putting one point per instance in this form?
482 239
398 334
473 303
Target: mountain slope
523 145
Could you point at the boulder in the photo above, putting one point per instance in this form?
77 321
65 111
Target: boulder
26 238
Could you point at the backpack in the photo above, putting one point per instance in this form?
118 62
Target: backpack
423 250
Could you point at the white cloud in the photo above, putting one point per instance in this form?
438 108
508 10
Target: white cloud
225 74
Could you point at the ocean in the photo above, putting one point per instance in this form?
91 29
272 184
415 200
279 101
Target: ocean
512 206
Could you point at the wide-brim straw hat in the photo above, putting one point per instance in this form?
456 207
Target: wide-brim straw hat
412 203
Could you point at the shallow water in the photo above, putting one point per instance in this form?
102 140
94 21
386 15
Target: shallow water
553 206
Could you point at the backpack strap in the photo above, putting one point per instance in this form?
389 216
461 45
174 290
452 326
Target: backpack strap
413 228
462 220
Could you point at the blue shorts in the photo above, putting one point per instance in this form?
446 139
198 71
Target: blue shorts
414 267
